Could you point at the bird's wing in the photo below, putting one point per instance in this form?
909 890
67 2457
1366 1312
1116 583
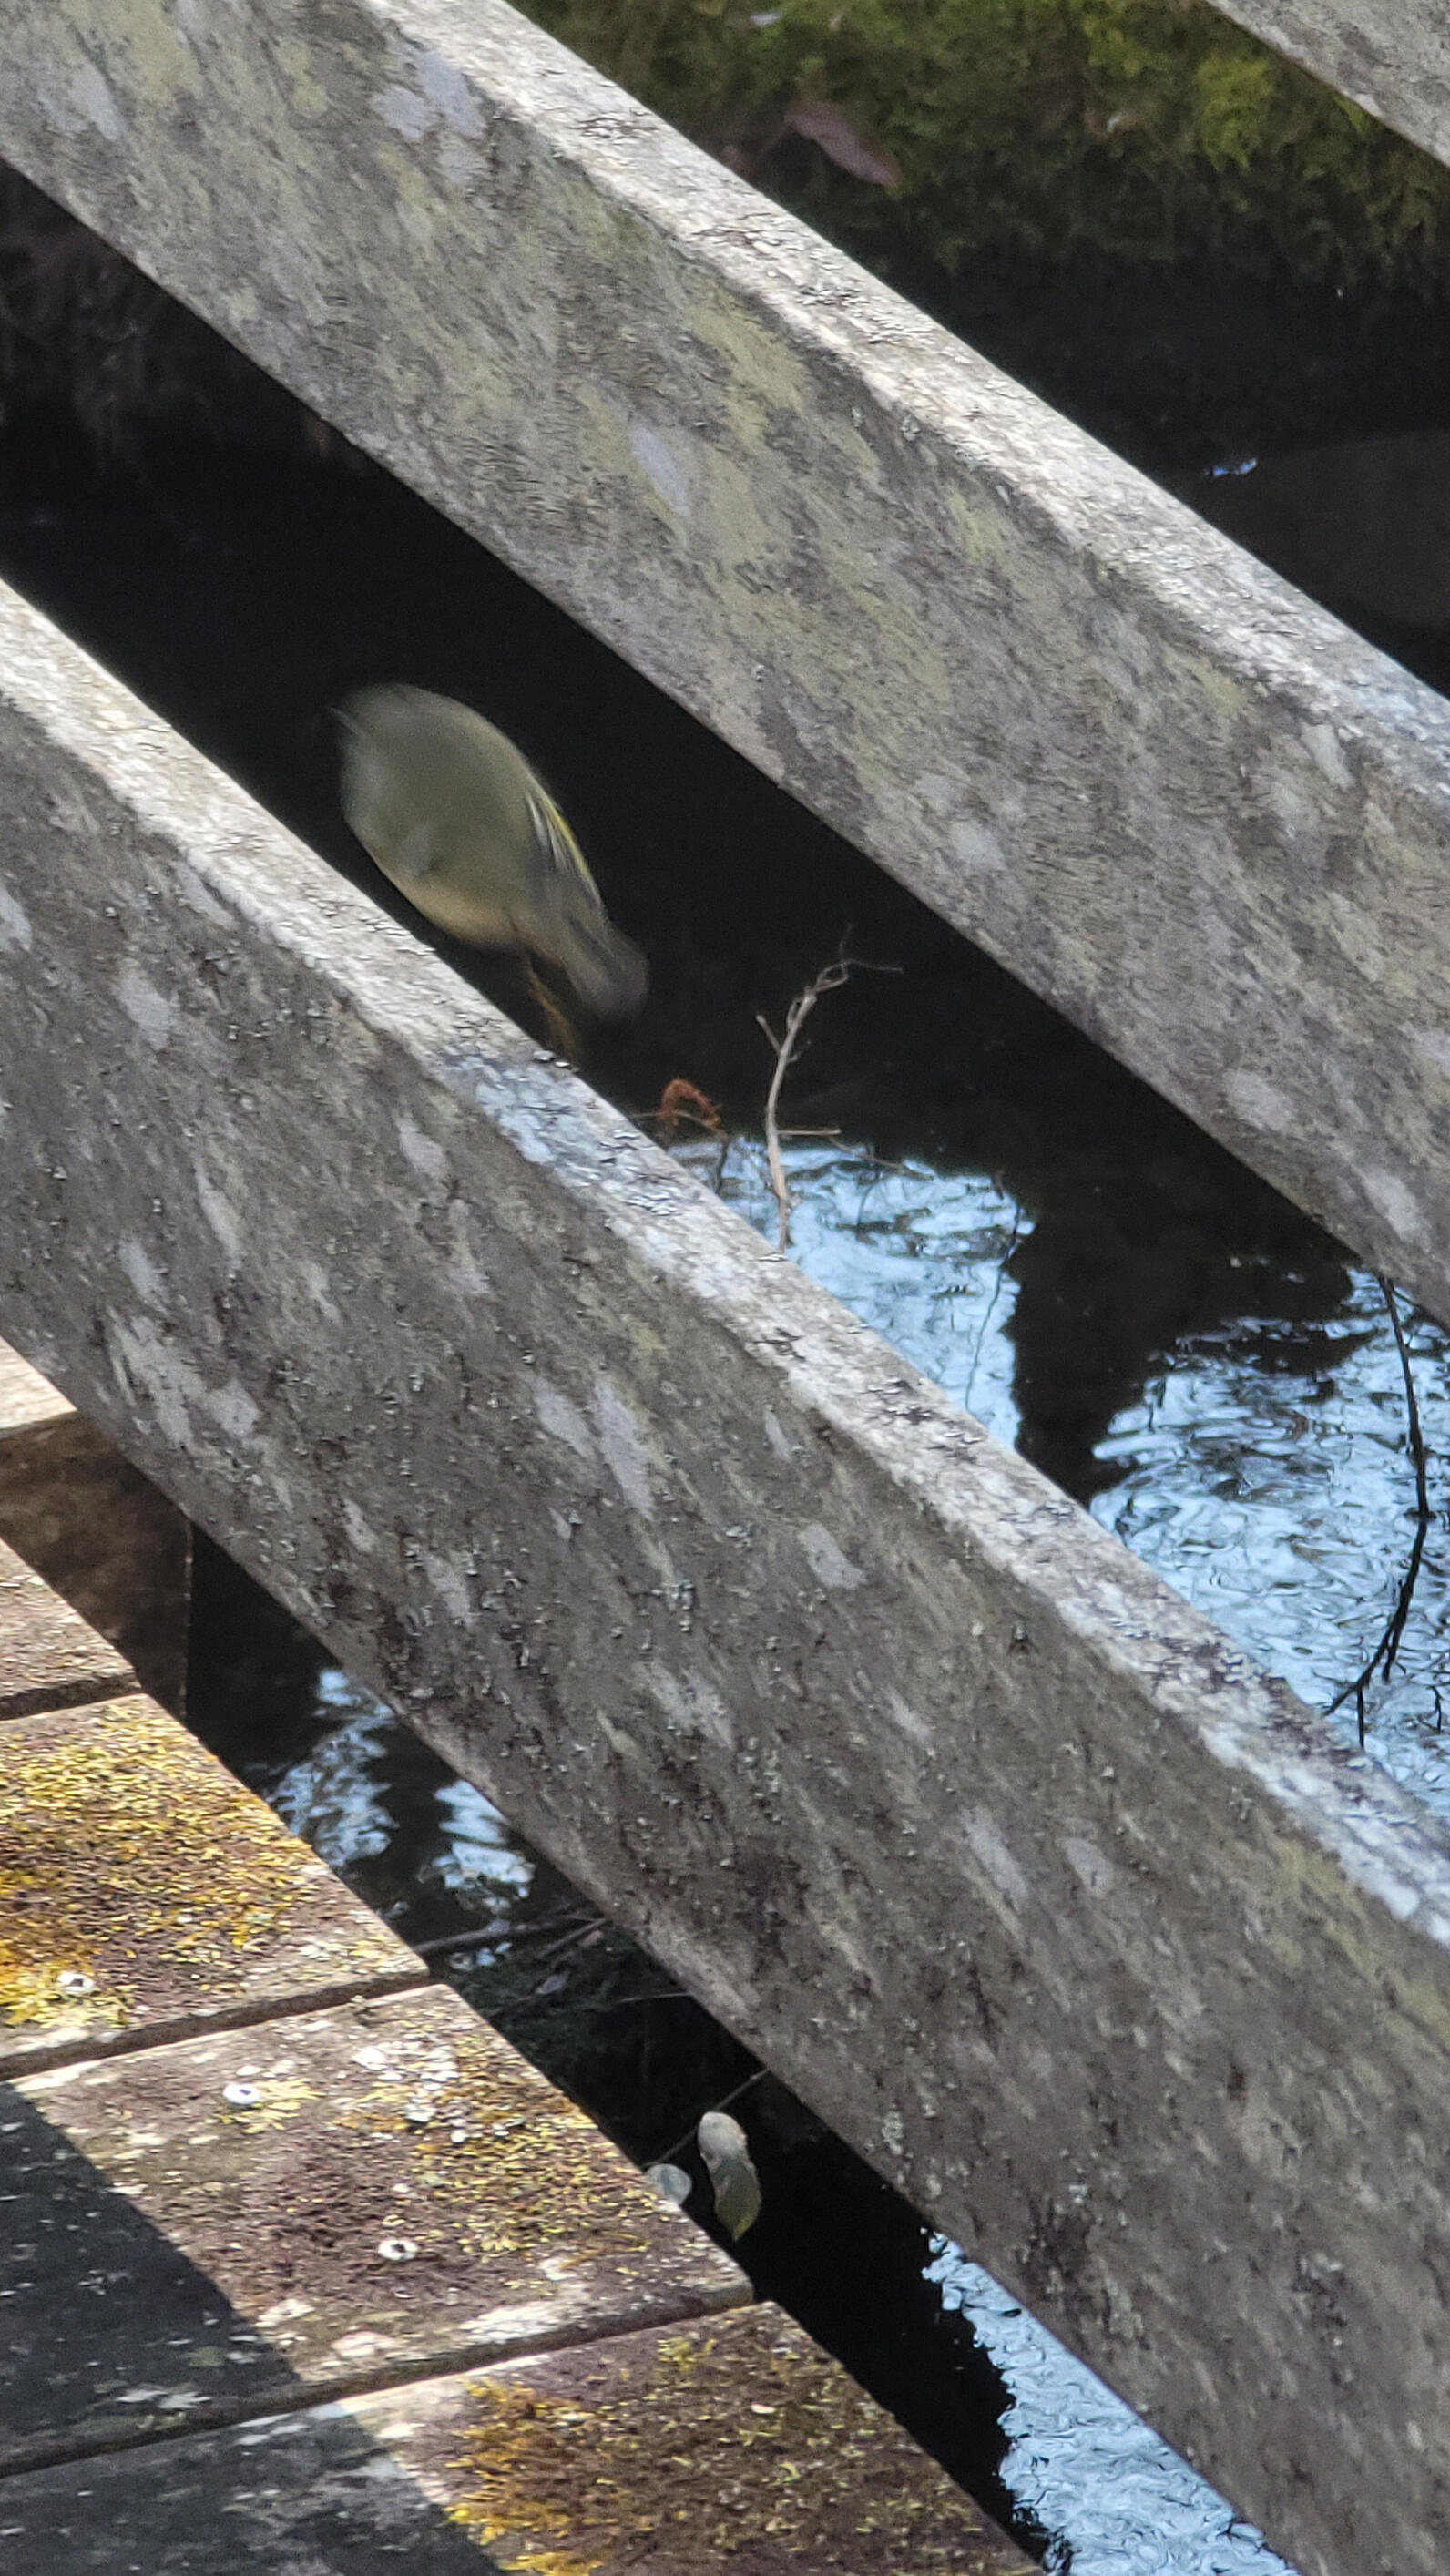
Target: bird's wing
567 863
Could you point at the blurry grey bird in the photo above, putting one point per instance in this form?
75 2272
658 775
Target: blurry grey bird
453 814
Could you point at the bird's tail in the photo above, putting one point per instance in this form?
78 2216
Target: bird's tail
607 971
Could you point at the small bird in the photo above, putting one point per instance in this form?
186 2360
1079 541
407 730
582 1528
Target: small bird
454 816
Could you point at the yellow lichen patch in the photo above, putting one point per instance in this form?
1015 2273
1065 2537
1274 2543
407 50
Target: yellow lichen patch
36 1994
281 2097
128 1856
513 2171
707 2443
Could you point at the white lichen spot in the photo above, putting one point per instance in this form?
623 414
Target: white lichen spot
622 1442
318 1285
988 1848
405 112
426 1156
15 930
1090 1865
936 793
910 1720
672 476
360 1532
1259 1102
145 1367
150 1011
1322 744
194 890
564 1420
232 1410
777 1435
1396 1203
1434 1044
828 1562
450 1584
977 848
220 1214
446 89
464 1267
96 103
148 1282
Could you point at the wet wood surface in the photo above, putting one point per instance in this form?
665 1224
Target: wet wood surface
209 2230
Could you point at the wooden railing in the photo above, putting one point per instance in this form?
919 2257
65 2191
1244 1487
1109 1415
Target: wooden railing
1071 1921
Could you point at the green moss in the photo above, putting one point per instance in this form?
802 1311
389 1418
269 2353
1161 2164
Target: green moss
1140 130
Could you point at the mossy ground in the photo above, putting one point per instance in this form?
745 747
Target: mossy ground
1146 131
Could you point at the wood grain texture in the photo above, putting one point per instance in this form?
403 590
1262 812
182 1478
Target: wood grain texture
1075 1925
1191 809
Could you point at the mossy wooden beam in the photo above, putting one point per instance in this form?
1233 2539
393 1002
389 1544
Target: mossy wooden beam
1192 810
1091 1938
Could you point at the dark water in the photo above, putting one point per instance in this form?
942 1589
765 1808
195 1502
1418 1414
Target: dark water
1152 1326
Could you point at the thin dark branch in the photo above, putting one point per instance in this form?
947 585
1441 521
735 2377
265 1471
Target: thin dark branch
1382 1661
680 2144
1412 1407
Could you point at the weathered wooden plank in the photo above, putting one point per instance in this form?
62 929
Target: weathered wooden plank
1081 724
1390 56
27 1398
728 2448
144 1893
1077 1927
107 1540
261 2218
49 1658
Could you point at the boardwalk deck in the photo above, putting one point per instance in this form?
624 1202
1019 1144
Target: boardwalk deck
99 1533
303 2265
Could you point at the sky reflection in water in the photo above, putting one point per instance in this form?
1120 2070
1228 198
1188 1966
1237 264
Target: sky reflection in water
1264 1474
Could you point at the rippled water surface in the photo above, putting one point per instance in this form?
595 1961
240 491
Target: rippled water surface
1263 1468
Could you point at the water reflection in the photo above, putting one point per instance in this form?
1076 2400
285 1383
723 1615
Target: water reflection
1237 1418
1117 2501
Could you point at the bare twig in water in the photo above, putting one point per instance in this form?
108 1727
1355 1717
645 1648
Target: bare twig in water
829 980
1382 1661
